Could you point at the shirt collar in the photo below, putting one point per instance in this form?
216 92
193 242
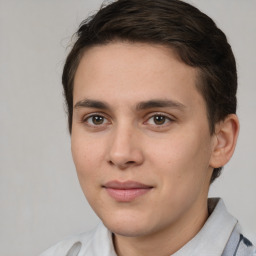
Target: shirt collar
213 237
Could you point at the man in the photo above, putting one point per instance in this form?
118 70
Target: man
150 88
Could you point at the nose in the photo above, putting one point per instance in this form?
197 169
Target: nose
125 148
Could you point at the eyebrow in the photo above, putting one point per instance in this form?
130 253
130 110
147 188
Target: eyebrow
86 103
160 104
156 103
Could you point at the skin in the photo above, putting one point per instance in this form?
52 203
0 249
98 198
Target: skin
121 139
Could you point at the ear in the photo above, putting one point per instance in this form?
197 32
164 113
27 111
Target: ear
225 138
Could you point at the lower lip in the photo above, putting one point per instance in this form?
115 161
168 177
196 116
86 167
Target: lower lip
127 195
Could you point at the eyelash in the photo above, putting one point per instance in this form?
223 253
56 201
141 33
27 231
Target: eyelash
167 119
94 115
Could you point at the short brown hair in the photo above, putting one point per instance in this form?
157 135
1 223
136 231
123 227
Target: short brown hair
172 23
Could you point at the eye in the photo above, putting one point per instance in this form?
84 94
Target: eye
96 120
159 120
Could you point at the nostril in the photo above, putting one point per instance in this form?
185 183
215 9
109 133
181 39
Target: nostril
130 162
111 163
122 165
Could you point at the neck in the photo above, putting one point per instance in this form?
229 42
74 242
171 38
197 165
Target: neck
166 241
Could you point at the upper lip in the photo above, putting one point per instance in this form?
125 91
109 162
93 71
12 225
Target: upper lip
126 185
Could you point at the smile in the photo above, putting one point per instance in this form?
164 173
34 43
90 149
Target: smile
126 191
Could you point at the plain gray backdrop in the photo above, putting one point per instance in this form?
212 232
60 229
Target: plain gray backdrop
40 198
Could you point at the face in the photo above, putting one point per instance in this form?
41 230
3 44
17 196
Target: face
140 138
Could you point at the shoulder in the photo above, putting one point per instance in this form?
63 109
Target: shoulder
82 242
245 247
239 245
65 245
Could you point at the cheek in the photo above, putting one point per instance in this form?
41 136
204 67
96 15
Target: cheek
182 159
86 156
182 169
174 152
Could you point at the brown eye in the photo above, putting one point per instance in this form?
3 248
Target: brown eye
159 120
96 120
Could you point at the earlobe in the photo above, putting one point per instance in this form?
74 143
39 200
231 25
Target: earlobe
226 133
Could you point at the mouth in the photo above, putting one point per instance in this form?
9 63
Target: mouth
126 191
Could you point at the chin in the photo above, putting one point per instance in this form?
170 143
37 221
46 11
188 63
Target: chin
130 226
129 231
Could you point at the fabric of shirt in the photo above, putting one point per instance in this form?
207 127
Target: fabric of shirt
220 236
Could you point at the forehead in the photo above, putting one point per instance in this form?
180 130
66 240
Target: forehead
133 71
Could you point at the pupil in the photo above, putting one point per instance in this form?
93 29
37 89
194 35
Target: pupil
159 120
97 119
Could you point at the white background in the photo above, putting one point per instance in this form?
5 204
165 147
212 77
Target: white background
40 198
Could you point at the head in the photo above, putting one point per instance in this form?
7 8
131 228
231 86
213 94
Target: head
191 34
150 88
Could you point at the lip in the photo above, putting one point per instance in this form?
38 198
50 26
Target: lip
126 191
